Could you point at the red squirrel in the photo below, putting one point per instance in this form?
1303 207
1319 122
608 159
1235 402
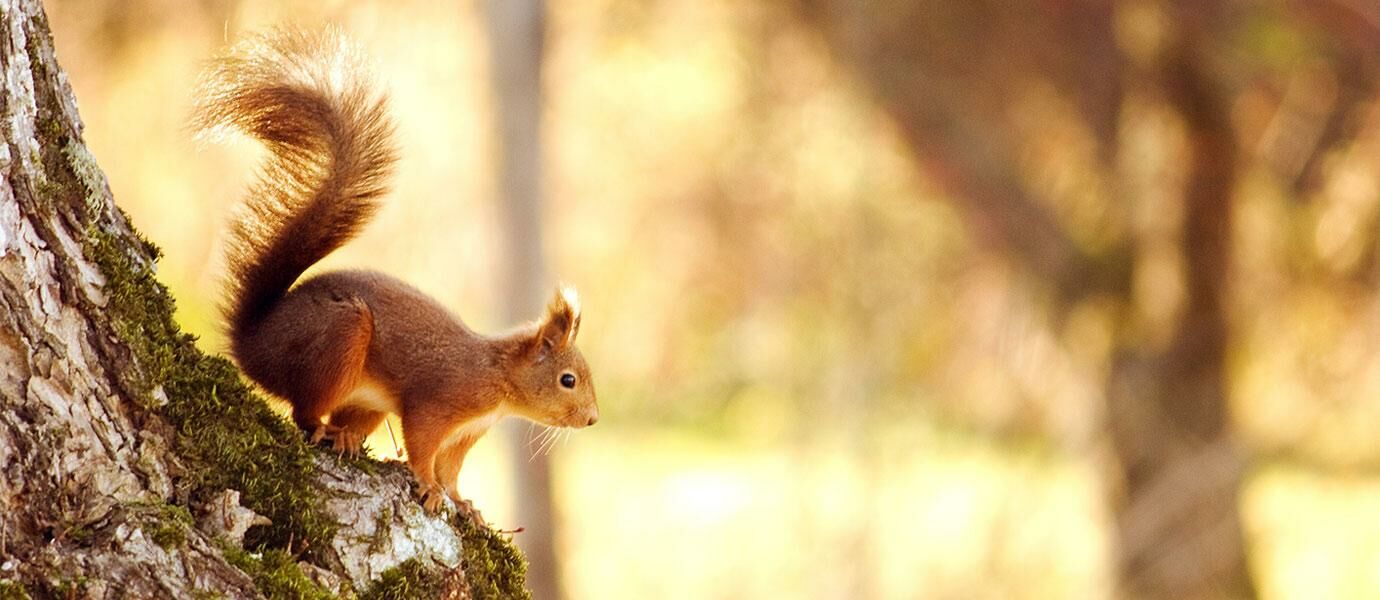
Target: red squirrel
347 347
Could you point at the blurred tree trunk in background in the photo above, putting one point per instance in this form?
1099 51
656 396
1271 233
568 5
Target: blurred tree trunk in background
1179 519
951 74
516 41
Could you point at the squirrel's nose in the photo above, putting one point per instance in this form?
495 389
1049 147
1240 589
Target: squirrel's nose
592 420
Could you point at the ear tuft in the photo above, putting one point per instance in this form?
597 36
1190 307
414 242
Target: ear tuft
562 321
571 297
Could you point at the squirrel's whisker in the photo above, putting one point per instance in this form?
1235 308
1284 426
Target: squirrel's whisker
540 439
550 442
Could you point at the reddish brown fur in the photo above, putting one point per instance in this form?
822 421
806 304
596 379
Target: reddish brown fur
347 347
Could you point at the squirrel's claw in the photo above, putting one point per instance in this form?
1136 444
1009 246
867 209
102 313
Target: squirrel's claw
348 443
465 507
432 499
324 431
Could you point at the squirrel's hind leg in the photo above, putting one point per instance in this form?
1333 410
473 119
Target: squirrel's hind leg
352 425
336 355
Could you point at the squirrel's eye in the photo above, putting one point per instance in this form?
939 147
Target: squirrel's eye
568 380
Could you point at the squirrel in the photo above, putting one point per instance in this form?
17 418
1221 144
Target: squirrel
347 347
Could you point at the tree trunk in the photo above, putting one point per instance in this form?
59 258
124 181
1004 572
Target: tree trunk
936 68
517 29
133 464
1179 522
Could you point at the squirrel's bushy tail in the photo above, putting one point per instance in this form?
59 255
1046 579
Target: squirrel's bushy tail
329 139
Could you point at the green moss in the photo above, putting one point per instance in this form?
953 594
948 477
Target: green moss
407 581
135 300
493 567
276 574
12 590
228 436
79 534
84 167
166 524
167 535
243 445
383 527
70 588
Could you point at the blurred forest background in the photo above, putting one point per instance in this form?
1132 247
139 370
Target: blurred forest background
919 299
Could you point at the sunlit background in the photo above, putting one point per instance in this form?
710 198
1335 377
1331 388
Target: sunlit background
823 373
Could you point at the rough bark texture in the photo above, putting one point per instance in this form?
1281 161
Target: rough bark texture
133 465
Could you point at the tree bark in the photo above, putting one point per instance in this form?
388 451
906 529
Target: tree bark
132 464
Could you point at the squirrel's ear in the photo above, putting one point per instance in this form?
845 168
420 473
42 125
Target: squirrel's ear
561 323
